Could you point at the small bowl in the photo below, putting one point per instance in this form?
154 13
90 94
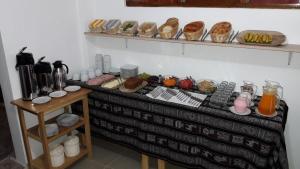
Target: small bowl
207 86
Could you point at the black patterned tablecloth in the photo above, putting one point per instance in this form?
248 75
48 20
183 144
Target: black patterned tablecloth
204 137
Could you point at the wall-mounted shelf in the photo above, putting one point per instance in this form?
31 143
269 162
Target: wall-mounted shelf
284 48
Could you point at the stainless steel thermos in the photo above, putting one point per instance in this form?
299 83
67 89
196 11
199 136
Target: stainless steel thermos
25 66
59 75
43 72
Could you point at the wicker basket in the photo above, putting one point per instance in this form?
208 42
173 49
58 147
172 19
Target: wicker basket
130 32
99 27
150 32
169 34
112 29
220 37
194 36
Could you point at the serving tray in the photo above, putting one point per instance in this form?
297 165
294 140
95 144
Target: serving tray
278 38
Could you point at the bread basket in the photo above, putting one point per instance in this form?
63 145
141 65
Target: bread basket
167 32
112 26
97 25
194 35
169 29
129 28
220 32
147 29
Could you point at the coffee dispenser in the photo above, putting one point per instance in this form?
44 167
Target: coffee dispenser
44 78
25 66
59 75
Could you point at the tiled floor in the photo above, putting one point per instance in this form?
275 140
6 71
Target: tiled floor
111 156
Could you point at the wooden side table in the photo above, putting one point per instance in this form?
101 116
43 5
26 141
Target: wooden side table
44 161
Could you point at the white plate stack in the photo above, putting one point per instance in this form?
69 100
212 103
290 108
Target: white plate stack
128 71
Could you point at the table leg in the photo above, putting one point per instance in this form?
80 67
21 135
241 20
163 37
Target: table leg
25 137
161 164
145 161
87 126
42 127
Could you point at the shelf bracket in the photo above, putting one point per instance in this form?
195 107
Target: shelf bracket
182 49
126 43
290 58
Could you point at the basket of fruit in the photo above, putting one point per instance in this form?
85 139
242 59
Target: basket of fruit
262 38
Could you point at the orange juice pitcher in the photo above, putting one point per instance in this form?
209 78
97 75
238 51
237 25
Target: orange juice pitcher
272 93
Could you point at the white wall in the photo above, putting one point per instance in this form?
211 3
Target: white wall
49 28
209 62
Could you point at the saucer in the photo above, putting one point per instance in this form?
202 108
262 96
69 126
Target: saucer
72 88
272 115
58 94
41 100
247 112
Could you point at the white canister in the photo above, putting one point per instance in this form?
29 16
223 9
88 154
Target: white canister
99 61
106 63
57 156
72 146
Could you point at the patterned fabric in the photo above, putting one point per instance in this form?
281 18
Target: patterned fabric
203 137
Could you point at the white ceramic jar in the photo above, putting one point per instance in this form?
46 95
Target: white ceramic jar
72 146
57 156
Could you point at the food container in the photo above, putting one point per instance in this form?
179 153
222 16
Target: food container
112 26
170 81
57 156
220 32
129 28
128 71
193 30
72 146
169 29
97 25
67 119
147 29
207 86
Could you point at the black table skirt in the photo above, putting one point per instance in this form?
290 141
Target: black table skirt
204 137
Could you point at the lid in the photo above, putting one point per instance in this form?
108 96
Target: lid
71 140
58 64
24 58
129 66
42 67
57 150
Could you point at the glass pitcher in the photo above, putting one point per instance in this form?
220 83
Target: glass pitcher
272 93
250 88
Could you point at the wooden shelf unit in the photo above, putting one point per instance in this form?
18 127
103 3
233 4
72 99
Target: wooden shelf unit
44 161
39 162
283 48
34 131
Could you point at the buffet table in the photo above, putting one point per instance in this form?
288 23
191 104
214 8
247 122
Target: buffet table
204 137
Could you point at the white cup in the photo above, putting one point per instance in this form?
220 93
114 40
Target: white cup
98 72
92 74
76 76
84 77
